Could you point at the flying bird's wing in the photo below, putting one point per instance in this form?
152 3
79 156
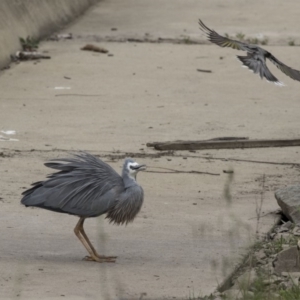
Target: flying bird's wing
294 74
259 67
222 41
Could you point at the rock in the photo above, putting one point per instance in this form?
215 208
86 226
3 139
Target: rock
289 201
287 261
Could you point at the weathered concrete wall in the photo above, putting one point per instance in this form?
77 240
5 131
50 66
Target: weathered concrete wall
37 18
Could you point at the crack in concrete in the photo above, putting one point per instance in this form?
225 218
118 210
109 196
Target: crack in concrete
144 39
121 155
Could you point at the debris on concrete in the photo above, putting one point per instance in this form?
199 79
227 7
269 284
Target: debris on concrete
8 132
30 55
288 199
204 71
5 137
58 37
62 88
91 47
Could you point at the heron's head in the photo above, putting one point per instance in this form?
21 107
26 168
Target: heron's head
131 167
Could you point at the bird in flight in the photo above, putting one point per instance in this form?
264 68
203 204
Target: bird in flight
256 56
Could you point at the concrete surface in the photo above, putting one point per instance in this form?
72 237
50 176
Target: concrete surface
36 18
188 237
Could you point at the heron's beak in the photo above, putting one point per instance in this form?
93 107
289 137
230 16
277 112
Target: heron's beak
140 168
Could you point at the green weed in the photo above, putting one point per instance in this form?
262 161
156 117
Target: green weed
29 44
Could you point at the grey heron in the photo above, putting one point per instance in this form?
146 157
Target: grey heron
256 56
87 187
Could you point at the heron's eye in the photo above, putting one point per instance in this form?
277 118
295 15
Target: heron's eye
131 167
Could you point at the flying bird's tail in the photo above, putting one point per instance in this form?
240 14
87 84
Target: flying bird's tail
259 67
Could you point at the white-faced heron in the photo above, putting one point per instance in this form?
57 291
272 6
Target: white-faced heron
87 187
256 56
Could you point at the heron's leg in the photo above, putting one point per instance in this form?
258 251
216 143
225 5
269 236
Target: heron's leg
81 230
92 256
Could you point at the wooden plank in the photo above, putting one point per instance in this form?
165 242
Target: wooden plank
223 144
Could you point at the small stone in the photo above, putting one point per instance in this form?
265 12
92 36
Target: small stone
283 285
287 224
296 231
282 229
268 281
260 254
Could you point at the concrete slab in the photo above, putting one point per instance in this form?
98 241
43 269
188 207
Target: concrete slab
20 19
178 19
187 237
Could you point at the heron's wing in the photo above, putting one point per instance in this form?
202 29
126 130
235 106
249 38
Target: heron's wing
222 41
294 74
84 186
259 66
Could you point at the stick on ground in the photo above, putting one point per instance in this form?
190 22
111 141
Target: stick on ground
222 143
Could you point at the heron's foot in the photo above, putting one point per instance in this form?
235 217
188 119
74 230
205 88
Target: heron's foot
101 258
105 257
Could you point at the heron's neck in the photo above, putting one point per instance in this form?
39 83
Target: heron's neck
129 180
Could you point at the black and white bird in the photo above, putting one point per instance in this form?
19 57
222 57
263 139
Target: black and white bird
87 187
256 56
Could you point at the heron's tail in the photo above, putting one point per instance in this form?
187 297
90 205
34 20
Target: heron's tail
29 199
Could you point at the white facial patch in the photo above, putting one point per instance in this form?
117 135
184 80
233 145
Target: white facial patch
132 170
130 165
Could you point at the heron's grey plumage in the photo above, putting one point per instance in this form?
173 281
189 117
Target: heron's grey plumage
256 56
87 187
